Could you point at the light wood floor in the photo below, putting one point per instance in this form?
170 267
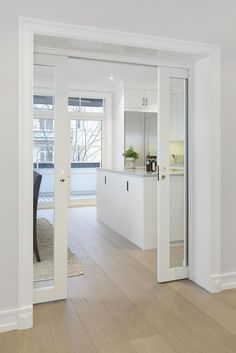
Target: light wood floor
118 307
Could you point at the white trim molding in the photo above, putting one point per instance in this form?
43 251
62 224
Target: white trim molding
224 281
14 319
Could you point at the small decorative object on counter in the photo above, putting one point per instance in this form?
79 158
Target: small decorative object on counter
151 163
130 157
148 163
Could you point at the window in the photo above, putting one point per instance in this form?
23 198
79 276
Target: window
43 124
92 105
86 156
43 103
73 104
86 105
43 138
86 141
46 155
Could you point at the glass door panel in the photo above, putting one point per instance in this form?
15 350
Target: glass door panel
173 174
43 167
51 172
177 171
86 156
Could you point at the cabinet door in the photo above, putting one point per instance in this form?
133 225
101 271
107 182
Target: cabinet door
134 134
102 195
151 101
134 99
132 208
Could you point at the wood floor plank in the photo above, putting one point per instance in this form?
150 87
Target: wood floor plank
210 330
147 258
66 327
227 297
8 342
152 344
106 335
42 335
26 342
208 303
126 315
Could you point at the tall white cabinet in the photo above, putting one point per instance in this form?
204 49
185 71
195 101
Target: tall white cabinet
141 122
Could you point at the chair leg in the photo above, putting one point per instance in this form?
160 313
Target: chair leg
35 243
36 250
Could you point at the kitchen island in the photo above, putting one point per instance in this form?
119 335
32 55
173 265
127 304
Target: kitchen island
127 203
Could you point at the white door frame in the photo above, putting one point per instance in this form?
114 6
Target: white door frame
205 225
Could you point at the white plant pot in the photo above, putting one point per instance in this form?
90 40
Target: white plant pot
129 163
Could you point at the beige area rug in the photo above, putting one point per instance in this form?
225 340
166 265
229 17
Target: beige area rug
43 270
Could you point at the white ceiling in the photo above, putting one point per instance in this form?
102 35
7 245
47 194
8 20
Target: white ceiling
98 73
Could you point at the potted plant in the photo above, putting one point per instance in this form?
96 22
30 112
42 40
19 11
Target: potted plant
130 157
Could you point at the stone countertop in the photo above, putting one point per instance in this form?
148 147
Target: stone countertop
140 172
137 172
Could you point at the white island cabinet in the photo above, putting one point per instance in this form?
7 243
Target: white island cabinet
127 203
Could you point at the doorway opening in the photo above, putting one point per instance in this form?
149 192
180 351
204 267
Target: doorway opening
203 60
109 108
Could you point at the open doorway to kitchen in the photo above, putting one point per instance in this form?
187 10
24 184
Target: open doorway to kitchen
181 56
111 110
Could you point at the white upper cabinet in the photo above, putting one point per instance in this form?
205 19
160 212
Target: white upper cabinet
134 99
150 101
140 100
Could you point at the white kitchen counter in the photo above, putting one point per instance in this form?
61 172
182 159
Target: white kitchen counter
141 172
137 172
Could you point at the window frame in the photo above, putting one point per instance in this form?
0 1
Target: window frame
104 117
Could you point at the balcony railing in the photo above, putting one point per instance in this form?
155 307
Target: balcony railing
83 181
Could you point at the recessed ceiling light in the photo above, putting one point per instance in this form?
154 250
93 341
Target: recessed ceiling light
111 78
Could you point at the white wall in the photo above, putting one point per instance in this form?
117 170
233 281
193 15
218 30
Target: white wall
118 128
229 162
188 19
203 151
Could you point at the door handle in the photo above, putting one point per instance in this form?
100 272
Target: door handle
62 180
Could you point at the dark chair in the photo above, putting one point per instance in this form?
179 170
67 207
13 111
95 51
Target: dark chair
37 183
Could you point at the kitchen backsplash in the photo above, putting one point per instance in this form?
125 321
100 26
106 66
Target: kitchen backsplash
176 152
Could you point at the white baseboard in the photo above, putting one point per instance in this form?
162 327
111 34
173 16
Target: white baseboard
8 320
225 280
228 280
16 319
25 317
